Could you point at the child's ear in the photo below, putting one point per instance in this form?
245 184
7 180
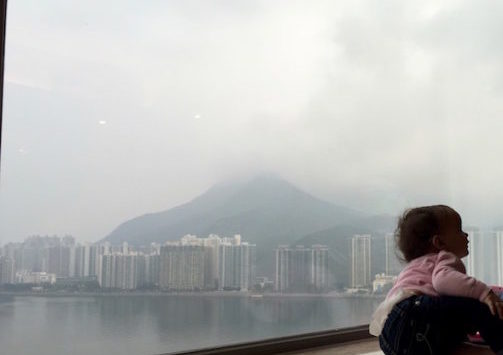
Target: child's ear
437 242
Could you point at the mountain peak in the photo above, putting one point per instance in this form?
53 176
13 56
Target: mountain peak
264 208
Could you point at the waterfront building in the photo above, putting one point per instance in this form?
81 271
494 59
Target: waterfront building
319 267
152 270
182 267
82 260
119 271
213 261
474 248
27 277
7 273
383 283
236 265
191 264
361 261
392 266
59 259
301 269
107 267
499 257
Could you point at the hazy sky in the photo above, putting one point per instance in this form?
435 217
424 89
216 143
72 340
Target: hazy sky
118 108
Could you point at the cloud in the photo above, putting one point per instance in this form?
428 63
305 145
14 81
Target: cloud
375 105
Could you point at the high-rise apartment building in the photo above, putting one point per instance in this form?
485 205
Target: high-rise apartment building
107 267
361 261
301 269
94 262
283 261
499 257
475 242
213 261
130 278
182 267
82 260
319 267
141 272
152 269
7 271
119 271
59 260
236 266
393 266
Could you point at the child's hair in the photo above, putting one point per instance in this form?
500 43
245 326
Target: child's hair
416 228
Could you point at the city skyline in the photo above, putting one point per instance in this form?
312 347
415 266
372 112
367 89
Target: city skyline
222 263
215 263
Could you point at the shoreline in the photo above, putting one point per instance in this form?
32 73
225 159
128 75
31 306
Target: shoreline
255 296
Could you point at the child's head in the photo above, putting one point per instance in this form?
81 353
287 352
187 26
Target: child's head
429 229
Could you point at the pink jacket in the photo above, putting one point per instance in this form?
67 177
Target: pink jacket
434 274
437 274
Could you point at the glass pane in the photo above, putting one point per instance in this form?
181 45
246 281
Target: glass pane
186 174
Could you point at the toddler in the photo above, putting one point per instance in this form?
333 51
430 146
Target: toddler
434 304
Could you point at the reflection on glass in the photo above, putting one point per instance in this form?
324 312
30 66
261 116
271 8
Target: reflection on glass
186 174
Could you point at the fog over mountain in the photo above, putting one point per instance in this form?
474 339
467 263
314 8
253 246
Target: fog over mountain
265 210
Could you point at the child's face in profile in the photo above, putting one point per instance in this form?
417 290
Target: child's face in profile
453 238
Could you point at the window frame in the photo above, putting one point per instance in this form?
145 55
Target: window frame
291 343
3 16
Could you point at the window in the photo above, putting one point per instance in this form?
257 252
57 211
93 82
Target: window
186 174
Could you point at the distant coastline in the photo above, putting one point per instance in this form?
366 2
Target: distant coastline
189 294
